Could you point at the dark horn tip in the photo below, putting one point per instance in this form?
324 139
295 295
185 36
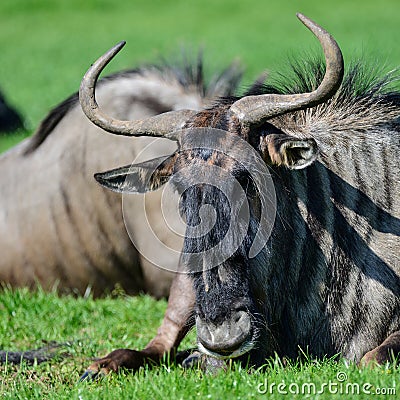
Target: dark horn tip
106 58
121 44
116 49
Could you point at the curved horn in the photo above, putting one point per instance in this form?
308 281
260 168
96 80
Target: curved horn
257 109
163 125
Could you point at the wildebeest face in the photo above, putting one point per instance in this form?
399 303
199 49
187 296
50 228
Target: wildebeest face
227 200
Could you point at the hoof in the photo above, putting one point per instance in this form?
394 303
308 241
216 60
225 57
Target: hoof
194 360
92 376
203 362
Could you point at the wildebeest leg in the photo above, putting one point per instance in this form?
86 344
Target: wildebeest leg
384 352
173 329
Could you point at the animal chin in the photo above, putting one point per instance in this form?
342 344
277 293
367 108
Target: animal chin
243 349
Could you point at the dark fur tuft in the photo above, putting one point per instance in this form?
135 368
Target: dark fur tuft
360 80
363 85
50 122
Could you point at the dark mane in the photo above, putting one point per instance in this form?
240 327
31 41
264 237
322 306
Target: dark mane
50 122
190 74
367 98
360 79
364 85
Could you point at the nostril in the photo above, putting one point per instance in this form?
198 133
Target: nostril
239 315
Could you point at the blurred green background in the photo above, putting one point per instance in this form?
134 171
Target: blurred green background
47 45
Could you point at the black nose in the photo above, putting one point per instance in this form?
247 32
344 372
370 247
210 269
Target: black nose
227 336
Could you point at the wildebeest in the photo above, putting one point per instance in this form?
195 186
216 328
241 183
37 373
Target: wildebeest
53 235
327 279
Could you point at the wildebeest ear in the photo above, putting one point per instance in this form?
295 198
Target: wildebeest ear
138 178
292 152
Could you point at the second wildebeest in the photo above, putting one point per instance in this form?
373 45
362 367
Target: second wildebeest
328 278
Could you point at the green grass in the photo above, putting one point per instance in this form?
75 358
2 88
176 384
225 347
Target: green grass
95 327
46 46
